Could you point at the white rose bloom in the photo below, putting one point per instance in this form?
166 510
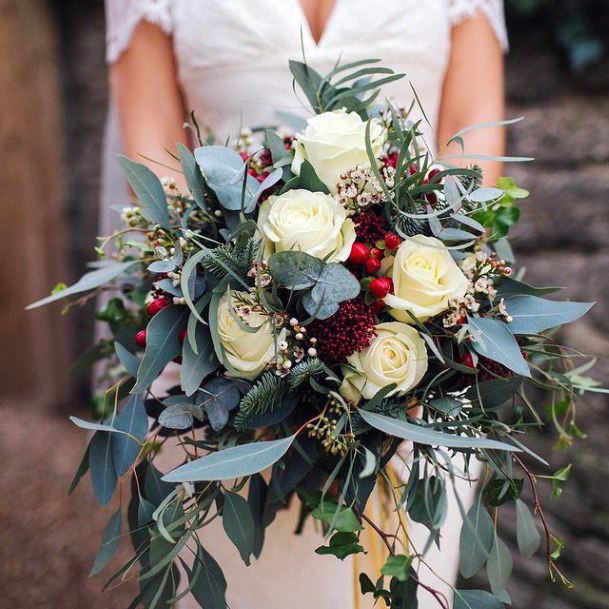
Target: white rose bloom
425 277
311 222
396 355
335 142
247 352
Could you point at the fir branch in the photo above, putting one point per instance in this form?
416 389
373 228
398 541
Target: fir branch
265 396
302 372
230 256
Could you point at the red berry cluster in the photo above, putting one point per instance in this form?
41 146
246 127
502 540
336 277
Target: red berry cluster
349 330
152 308
370 226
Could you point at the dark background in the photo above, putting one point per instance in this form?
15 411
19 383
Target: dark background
53 100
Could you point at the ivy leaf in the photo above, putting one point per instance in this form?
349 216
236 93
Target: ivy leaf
341 545
238 522
398 566
341 519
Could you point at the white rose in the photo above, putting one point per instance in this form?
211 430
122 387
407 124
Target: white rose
396 355
247 352
335 142
425 277
311 222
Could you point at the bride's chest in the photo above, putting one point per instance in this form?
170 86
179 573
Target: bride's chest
212 34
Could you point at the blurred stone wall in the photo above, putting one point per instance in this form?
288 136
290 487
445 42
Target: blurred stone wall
564 240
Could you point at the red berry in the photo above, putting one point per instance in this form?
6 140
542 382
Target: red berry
182 334
413 169
375 252
372 265
377 306
359 253
152 308
392 241
380 287
467 360
392 159
244 155
140 338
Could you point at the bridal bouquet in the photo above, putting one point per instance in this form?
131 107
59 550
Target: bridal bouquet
326 295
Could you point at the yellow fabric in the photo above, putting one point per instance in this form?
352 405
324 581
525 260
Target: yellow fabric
380 509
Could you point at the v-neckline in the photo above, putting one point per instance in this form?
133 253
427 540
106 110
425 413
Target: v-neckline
327 25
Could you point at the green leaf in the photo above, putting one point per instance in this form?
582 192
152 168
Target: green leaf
476 540
197 365
512 287
295 270
177 416
476 599
309 180
209 589
83 468
532 315
335 283
129 361
109 543
495 341
494 394
499 566
502 490
194 177
131 420
257 498
231 463
527 535
148 189
87 282
238 522
309 81
101 465
562 475
218 398
341 545
341 519
430 437
398 566
162 344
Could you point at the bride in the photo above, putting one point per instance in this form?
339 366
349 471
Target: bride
228 61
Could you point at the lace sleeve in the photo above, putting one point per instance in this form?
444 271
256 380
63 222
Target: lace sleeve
460 10
122 17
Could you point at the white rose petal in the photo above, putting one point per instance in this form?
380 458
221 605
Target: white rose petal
335 142
311 222
247 352
396 355
425 277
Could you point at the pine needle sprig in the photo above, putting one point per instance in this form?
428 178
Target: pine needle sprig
302 372
264 397
230 256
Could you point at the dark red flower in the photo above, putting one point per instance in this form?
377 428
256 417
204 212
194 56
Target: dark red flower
370 226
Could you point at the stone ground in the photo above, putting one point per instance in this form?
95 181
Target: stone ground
47 541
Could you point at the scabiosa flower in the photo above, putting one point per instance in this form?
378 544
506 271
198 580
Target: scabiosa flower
349 330
370 226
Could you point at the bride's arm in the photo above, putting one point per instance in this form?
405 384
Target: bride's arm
148 98
474 92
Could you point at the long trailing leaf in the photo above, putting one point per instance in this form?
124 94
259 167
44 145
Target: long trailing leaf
430 437
89 281
231 463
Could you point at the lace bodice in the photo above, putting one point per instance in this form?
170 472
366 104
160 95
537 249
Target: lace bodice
232 56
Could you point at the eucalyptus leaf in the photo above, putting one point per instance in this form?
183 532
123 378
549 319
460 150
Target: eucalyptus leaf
495 341
218 398
109 543
197 364
495 393
476 599
209 589
476 540
430 437
87 282
192 174
238 522
499 566
101 466
130 362
532 315
161 266
295 270
527 535
148 189
162 344
231 463
133 421
177 416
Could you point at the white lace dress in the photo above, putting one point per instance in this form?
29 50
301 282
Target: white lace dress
232 60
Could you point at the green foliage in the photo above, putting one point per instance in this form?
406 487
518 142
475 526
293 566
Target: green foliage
265 396
231 256
305 370
341 545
